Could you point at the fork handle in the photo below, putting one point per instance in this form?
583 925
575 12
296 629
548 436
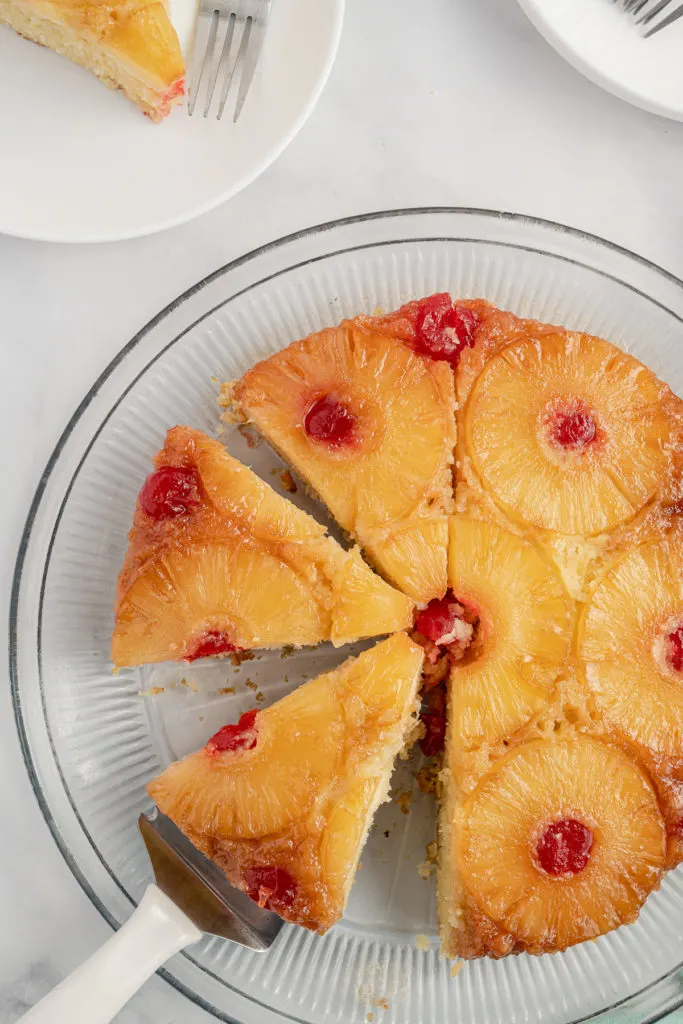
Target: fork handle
97 990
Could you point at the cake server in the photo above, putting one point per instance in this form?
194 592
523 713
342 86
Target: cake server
191 896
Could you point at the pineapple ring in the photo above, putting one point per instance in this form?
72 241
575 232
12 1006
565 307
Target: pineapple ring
620 645
522 640
390 486
611 422
209 587
538 784
406 401
260 791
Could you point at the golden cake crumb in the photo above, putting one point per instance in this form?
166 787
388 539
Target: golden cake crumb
237 657
287 481
403 801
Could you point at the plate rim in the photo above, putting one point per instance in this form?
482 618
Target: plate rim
72 423
534 13
86 238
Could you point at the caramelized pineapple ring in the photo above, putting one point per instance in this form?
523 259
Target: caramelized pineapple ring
181 596
521 637
370 425
562 842
631 645
568 432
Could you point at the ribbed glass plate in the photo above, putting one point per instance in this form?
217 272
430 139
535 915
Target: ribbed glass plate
91 740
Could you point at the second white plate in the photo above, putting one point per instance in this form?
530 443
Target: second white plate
603 43
81 164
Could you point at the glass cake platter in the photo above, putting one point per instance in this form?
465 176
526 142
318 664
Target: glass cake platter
92 740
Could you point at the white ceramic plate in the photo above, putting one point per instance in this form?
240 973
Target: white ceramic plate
81 164
602 42
91 740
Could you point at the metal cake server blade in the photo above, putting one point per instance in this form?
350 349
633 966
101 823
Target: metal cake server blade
200 889
191 896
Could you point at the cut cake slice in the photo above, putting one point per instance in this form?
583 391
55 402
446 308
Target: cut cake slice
129 45
283 800
218 562
367 418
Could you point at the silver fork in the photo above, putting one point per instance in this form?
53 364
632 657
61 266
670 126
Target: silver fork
227 45
652 15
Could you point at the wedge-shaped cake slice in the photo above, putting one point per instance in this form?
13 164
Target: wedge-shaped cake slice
130 45
283 800
218 562
365 413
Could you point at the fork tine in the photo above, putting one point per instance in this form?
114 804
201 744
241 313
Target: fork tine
222 61
258 32
202 51
238 62
649 15
669 20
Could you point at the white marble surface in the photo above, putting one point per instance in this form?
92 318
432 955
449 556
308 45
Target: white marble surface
459 104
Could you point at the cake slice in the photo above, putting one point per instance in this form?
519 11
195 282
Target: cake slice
365 413
218 562
283 800
130 45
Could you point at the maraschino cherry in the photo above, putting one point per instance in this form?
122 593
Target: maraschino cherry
241 736
564 847
170 491
328 421
443 330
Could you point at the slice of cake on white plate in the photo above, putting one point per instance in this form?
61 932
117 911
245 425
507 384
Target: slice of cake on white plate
130 45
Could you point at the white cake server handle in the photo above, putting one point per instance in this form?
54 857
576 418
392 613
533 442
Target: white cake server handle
97 990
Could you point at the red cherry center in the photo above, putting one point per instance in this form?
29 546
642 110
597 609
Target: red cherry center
209 645
443 330
328 421
572 429
564 847
270 886
674 649
170 491
236 737
434 717
439 620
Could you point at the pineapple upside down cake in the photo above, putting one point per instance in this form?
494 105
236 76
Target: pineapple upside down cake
522 484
